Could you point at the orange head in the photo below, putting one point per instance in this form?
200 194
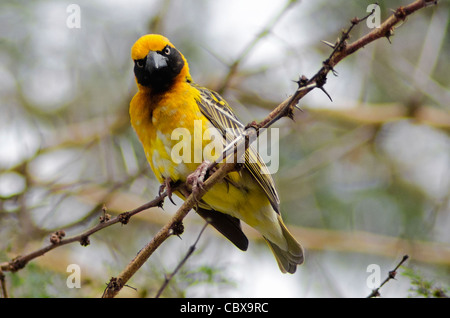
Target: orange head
158 64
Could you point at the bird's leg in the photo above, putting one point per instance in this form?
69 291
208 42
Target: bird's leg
196 178
168 187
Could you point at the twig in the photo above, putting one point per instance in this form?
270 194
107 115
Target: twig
342 50
285 109
391 275
174 227
183 261
83 238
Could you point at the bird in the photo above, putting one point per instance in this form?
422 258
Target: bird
168 99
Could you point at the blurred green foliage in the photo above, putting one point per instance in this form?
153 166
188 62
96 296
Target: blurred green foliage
422 287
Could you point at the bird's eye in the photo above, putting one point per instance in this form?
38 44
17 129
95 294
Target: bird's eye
167 50
140 63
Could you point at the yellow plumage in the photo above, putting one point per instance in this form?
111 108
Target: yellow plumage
168 99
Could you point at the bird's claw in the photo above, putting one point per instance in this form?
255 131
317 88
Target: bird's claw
168 187
196 178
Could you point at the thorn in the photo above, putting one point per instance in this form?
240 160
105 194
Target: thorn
329 44
160 204
298 107
335 73
130 287
389 34
326 63
326 93
290 114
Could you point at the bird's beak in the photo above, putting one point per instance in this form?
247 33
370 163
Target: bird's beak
155 61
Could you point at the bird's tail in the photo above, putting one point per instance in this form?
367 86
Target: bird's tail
290 258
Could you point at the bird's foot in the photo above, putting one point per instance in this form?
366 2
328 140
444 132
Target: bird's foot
196 178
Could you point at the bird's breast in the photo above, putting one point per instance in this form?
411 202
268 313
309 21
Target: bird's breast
176 136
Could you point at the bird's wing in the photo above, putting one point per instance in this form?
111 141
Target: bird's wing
229 226
220 114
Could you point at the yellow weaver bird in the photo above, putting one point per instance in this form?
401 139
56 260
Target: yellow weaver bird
167 99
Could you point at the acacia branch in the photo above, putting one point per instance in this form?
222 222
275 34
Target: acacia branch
174 227
285 109
57 238
341 49
391 275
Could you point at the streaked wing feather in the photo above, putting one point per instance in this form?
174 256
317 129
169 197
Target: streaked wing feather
220 114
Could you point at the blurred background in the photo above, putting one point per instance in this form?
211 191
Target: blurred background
363 179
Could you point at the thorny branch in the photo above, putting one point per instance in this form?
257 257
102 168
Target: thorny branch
341 49
392 274
57 238
285 109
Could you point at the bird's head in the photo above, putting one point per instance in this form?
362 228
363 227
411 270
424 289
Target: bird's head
158 64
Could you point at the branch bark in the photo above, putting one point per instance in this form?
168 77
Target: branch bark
57 239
